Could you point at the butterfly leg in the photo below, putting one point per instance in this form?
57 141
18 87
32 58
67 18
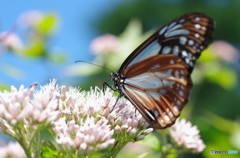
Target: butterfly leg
105 85
135 112
115 103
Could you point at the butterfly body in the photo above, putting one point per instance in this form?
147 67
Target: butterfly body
155 78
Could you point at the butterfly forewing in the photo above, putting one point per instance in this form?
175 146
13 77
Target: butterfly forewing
185 37
155 78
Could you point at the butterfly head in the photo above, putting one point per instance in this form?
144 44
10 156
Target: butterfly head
118 80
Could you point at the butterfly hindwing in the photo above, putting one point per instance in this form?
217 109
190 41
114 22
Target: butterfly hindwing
159 88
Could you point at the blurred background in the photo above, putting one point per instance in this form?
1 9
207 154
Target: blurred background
41 40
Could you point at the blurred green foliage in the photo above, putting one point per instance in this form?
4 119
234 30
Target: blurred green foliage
30 40
155 13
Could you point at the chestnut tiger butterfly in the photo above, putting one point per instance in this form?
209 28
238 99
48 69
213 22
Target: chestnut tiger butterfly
155 77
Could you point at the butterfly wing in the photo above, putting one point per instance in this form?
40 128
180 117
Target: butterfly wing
158 87
157 74
185 37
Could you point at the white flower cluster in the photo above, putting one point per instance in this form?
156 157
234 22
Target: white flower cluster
84 121
23 105
90 119
184 134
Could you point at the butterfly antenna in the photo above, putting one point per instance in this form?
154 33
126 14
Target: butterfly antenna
81 61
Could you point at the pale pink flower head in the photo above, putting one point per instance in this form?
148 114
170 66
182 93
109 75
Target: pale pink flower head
186 135
91 120
11 41
15 105
23 104
12 150
225 51
105 44
45 103
87 135
30 18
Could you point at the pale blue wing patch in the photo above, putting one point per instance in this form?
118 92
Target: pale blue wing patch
152 49
145 80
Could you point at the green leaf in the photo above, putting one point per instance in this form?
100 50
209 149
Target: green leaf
207 56
48 150
151 141
4 87
222 75
35 49
47 25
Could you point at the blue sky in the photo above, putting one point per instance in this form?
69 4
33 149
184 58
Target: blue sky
73 37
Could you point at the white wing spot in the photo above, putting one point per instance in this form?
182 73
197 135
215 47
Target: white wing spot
190 42
172 62
167 110
183 40
178 102
181 93
197 19
187 60
184 53
197 26
183 78
175 108
167 118
162 123
197 35
156 113
170 114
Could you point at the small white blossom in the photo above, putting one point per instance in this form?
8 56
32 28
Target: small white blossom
12 150
10 40
15 105
45 103
105 44
225 51
184 134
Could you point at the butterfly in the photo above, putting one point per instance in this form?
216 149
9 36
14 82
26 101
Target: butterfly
155 77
